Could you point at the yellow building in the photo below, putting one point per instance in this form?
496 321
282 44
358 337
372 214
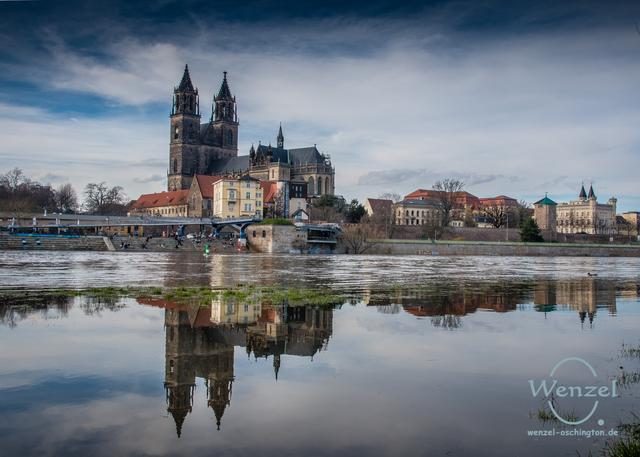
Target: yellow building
229 312
241 197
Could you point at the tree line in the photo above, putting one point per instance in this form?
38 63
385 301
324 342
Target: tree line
21 194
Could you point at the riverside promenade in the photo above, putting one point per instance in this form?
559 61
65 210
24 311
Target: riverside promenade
500 248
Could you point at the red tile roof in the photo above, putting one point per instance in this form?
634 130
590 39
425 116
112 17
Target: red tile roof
175 198
379 205
269 190
461 199
206 184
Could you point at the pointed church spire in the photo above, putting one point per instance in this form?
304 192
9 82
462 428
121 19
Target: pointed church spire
225 104
591 193
185 83
185 96
276 364
280 137
224 93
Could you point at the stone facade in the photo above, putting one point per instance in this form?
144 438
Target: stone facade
544 213
195 146
586 215
212 148
276 238
417 212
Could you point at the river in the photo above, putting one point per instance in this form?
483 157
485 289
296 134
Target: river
421 356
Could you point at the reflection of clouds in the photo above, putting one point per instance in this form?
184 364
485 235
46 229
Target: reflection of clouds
388 384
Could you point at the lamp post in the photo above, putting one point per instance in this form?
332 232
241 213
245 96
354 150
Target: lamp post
507 225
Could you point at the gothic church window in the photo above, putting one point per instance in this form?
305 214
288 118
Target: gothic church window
175 165
229 137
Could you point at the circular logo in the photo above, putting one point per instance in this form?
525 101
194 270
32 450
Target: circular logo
595 403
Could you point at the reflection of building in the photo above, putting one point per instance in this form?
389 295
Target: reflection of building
200 342
193 349
583 295
458 301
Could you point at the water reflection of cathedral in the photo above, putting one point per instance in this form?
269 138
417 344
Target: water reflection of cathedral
200 342
584 295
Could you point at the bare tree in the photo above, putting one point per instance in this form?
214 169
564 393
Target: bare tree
19 194
497 214
66 199
447 190
14 179
100 199
356 237
393 196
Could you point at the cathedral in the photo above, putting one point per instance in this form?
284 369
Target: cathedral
211 148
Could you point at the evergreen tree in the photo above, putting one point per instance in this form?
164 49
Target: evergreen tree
530 232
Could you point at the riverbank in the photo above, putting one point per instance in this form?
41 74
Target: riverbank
504 248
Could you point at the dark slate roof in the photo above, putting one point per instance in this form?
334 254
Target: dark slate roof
185 83
305 155
224 92
229 165
421 203
582 194
277 154
591 193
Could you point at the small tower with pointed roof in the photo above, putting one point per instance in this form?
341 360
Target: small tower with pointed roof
544 212
224 116
184 134
582 196
280 138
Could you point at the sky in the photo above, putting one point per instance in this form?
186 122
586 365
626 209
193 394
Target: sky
514 98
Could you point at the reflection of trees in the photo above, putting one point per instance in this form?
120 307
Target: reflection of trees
447 321
15 308
92 305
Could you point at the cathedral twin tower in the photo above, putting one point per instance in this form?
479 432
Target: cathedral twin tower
212 148
195 146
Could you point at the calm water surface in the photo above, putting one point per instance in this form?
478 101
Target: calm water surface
427 356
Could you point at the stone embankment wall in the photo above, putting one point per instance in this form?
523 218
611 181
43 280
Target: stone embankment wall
408 247
99 243
275 238
82 243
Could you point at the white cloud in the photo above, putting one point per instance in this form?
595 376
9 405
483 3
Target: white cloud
512 116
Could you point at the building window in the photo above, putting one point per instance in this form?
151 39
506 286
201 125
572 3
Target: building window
264 234
229 137
247 195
